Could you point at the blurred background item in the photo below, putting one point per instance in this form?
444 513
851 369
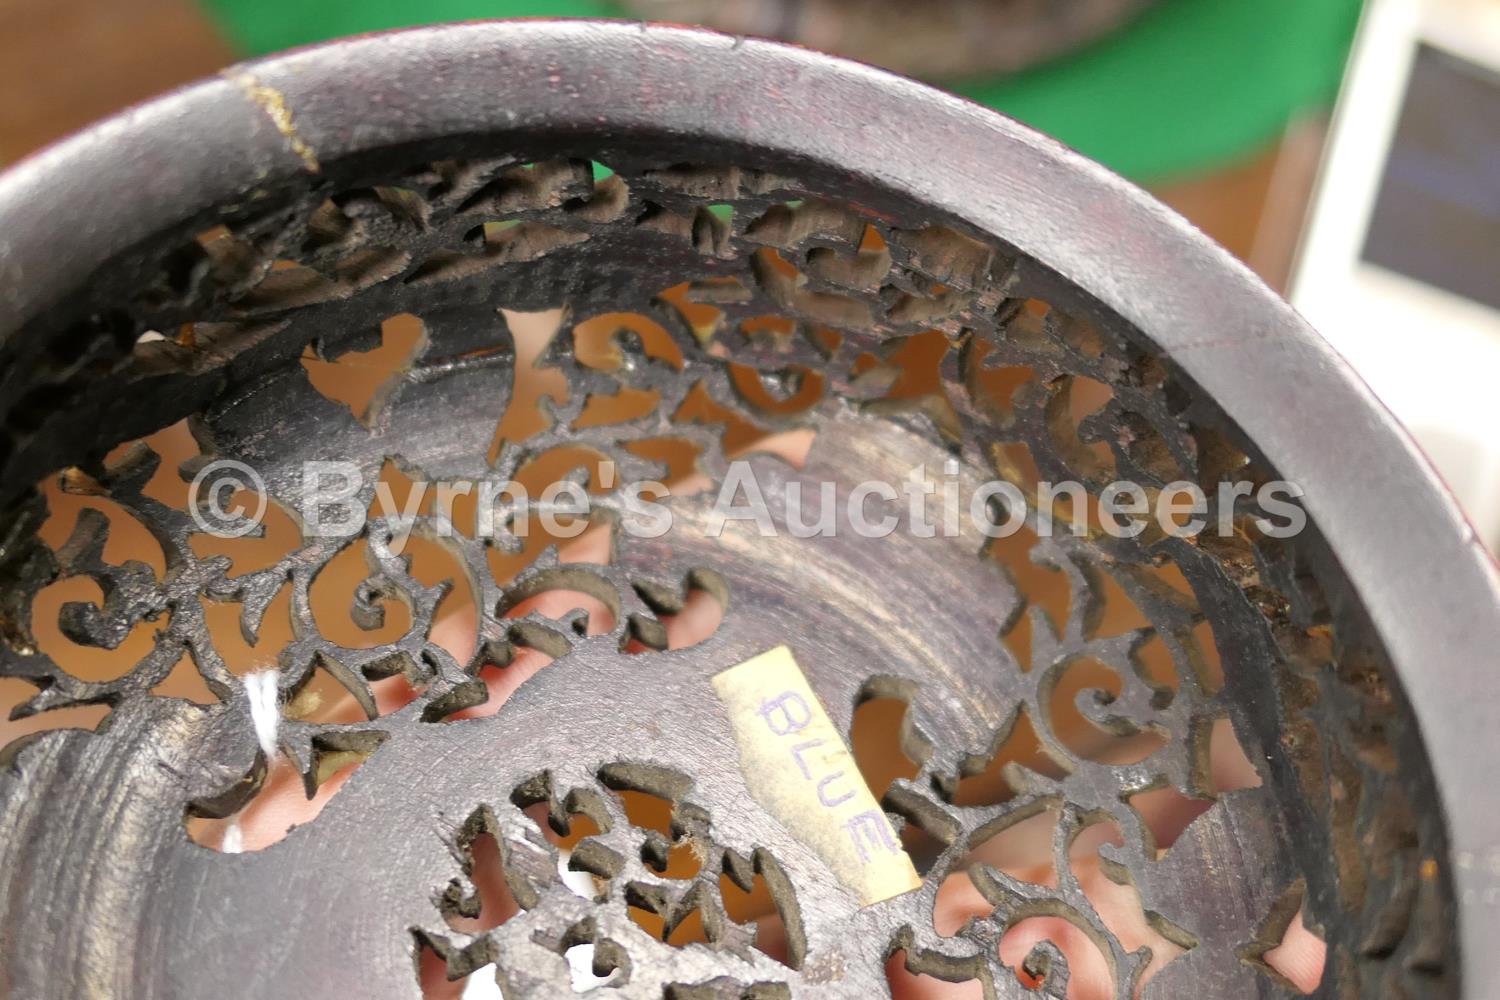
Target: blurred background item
935 39
1400 262
68 63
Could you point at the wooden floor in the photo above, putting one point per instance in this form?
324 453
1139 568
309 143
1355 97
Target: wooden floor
65 63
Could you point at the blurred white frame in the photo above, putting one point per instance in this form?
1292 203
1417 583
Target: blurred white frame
1432 356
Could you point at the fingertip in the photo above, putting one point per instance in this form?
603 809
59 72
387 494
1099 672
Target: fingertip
1300 957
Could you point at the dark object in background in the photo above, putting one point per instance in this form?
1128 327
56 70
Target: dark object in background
931 39
1437 217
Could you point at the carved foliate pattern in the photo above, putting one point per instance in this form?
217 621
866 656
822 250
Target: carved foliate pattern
730 304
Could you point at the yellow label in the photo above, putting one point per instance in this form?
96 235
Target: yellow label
798 768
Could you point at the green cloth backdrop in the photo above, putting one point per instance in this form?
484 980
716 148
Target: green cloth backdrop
1190 85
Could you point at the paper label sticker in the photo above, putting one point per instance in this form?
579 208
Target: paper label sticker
799 769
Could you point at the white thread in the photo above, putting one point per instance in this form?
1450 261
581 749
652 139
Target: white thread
234 838
482 985
580 959
581 882
265 708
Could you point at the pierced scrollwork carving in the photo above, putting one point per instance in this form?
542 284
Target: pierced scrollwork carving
544 320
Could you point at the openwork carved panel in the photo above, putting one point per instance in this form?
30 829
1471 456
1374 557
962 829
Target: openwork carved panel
509 746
